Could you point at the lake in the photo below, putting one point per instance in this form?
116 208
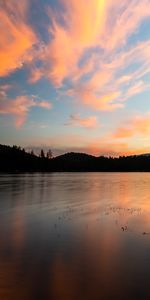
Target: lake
72 236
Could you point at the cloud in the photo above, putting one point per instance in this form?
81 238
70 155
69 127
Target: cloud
17 37
88 46
34 75
137 88
80 143
4 88
44 104
137 126
77 27
88 122
20 106
105 35
126 18
112 84
86 24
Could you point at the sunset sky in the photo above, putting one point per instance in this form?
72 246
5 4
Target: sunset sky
75 75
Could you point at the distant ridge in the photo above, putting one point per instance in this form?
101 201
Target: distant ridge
144 154
15 159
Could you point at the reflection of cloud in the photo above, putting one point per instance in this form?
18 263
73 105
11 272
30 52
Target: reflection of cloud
17 37
20 106
88 122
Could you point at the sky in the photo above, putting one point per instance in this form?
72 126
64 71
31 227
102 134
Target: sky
75 75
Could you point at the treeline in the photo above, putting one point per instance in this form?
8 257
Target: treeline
16 159
13 159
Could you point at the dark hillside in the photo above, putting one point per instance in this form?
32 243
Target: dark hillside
15 159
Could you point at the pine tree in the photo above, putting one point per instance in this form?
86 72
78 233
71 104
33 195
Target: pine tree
49 154
42 154
32 152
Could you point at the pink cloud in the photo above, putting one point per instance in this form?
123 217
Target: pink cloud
81 143
20 106
137 126
88 122
34 75
104 102
79 27
106 89
90 27
44 104
126 18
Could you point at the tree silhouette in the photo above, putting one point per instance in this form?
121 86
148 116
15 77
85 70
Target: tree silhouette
42 154
32 152
49 154
14 159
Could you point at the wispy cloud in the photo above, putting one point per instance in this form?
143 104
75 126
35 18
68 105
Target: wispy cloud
136 126
104 35
101 28
88 122
20 106
80 143
112 83
91 52
17 37
89 24
77 27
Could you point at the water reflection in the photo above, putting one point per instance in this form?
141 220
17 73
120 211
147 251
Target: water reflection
75 236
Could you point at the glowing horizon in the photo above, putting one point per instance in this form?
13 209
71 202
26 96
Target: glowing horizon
75 75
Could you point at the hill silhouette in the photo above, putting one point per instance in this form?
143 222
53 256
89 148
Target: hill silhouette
15 159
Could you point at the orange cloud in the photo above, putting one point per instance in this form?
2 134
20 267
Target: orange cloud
88 24
92 27
106 102
100 27
83 26
20 106
139 125
17 37
89 122
106 89
100 145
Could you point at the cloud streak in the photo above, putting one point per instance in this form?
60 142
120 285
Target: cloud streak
17 37
90 122
77 30
20 107
94 56
80 27
137 126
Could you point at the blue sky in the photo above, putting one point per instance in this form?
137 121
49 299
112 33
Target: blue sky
75 75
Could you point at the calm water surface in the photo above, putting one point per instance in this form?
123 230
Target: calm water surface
75 236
